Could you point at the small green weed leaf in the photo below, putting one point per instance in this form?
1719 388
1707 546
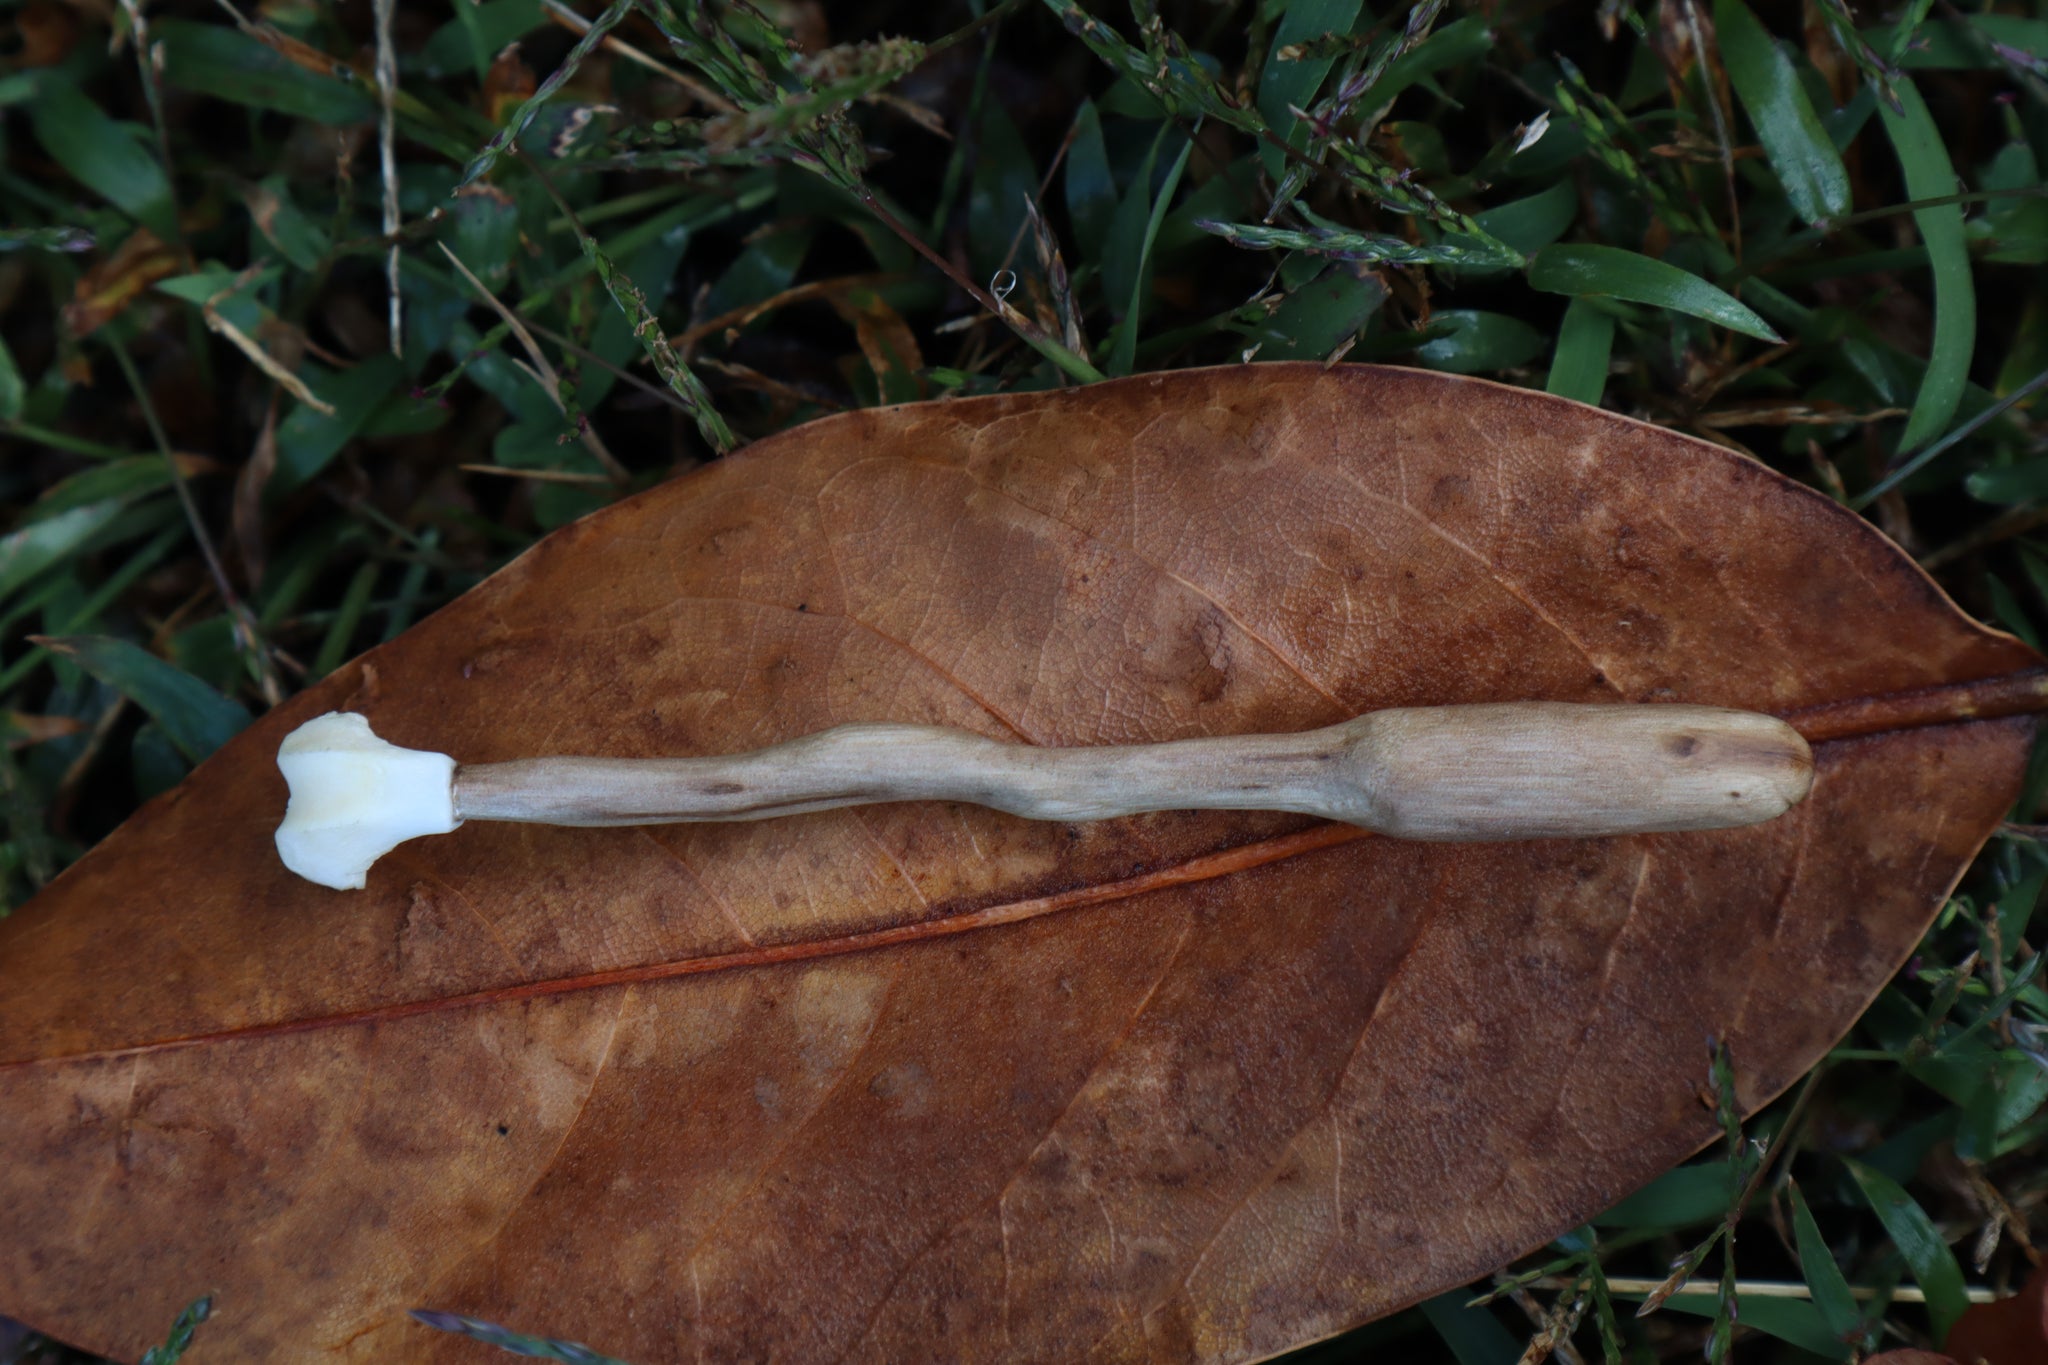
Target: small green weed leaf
50 541
550 444
197 718
1474 1335
1091 188
1681 1197
1791 1320
1003 179
308 439
180 1338
122 481
1817 1266
406 414
1455 44
226 63
1574 268
1585 345
1320 315
1807 164
2022 482
2016 910
1929 175
476 34
231 296
1473 342
1528 225
1919 1242
13 389
2013 231
1977 1127
107 157
1285 86
154 762
19 87
285 225
505 1339
481 225
764 269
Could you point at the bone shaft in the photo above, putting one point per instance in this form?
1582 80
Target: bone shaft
1516 770
861 764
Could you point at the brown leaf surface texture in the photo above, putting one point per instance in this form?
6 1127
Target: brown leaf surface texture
2011 1331
925 1082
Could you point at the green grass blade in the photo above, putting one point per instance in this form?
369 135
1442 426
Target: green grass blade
1929 175
107 157
1579 269
180 1337
1091 189
1474 1335
1808 167
1789 1320
1919 1242
13 389
682 381
505 1339
1585 342
197 718
43 544
334 647
228 64
1347 244
1823 1276
1125 355
1469 341
1529 225
481 164
1288 85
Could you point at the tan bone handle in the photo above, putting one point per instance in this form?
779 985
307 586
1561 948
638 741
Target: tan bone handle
1510 771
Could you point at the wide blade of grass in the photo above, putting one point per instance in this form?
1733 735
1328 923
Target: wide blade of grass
197 718
1823 1276
1919 1242
1929 175
1581 269
1286 85
1808 167
1585 343
106 156
1474 1335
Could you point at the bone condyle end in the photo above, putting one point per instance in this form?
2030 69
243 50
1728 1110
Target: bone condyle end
355 797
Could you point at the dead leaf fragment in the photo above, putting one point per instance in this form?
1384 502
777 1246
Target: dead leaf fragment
2010 1331
507 84
104 292
917 1081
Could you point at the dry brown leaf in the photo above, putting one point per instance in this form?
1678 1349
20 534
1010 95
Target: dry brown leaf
920 1082
507 85
23 729
104 292
2010 1331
